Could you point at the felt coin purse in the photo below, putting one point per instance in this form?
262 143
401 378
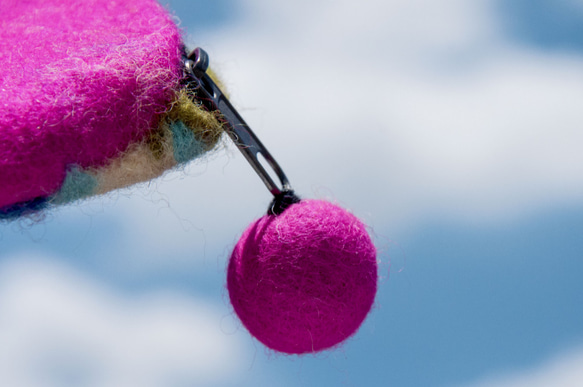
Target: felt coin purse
98 95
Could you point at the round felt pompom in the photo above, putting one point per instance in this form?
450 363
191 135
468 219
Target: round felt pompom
305 280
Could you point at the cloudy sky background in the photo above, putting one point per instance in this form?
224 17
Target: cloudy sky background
452 128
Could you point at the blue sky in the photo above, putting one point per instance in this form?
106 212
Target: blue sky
451 127
546 24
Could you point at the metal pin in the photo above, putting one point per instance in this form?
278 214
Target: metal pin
213 99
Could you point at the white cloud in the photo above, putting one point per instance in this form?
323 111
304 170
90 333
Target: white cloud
565 370
58 327
403 111
409 108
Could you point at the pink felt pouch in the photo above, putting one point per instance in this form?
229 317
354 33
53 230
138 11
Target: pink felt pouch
80 82
98 94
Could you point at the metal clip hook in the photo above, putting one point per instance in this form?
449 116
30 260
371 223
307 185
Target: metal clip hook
213 99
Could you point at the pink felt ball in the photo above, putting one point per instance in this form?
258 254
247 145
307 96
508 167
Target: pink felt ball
305 280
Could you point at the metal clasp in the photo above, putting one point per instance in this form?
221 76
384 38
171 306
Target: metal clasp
209 94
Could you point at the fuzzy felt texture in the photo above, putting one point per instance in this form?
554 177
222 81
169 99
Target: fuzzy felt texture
78 184
303 281
186 132
80 80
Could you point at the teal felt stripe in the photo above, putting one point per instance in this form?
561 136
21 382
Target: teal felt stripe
186 146
77 185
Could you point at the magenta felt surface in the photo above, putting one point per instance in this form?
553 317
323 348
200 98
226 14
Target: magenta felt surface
79 82
305 280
